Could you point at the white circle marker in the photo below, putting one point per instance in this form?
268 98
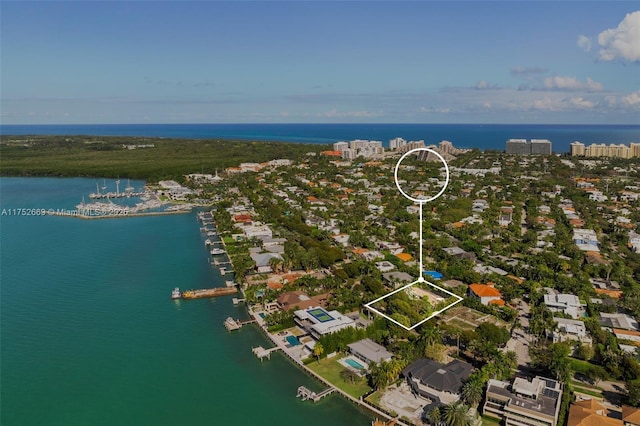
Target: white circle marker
418 200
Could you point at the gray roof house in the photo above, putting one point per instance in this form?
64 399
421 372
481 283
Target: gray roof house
262 261
369 351
437 381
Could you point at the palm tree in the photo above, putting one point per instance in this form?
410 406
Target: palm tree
435 416
456 414
472 391
379 374
275 263
318 350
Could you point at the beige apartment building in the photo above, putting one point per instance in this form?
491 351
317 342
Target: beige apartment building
578 149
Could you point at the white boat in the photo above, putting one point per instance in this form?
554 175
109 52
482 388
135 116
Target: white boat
217 251
175 294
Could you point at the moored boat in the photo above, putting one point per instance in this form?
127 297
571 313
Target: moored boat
175 294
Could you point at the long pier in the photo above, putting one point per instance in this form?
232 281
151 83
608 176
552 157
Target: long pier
305 393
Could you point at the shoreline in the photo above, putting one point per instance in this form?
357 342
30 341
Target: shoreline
359 402
259 322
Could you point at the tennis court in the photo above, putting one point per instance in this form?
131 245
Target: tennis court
320 314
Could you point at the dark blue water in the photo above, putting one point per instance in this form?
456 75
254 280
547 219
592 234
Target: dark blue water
483 136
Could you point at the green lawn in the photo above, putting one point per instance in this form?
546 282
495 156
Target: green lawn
330 370
374 398
490 421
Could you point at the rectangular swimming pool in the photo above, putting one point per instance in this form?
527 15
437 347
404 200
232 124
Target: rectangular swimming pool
293 340
355 364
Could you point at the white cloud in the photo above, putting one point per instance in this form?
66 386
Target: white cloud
622 42
629 102
567 83
582 103
632 99
482 84
584 43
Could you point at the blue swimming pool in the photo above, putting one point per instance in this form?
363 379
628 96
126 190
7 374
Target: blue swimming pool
355 364
262 315
293 340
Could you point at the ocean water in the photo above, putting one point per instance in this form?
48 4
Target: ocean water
90 336
483 136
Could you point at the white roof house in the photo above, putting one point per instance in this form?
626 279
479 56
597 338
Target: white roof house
570 329
567 303
319 322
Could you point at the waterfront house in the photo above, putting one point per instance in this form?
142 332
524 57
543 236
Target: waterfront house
318 322
369 351
436 381
300 300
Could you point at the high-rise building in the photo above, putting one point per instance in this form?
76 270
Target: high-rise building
411 145
340 146
540 147
635 149
577 149
518 147
396 143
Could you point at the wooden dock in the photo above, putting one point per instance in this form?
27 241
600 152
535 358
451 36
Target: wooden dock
305 394
234 324
261 352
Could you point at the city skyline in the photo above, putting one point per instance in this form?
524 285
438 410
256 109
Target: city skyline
311 62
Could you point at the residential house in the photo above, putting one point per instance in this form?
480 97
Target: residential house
397 279
630 416
437 381
567 303
570 329
385 266
524 402
263 261
487 294
318 322
369 351
621 321
589 412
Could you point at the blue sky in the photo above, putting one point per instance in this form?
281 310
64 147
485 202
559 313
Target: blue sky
308 61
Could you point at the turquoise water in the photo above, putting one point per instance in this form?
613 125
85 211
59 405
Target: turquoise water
90 336
293 340
354 364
